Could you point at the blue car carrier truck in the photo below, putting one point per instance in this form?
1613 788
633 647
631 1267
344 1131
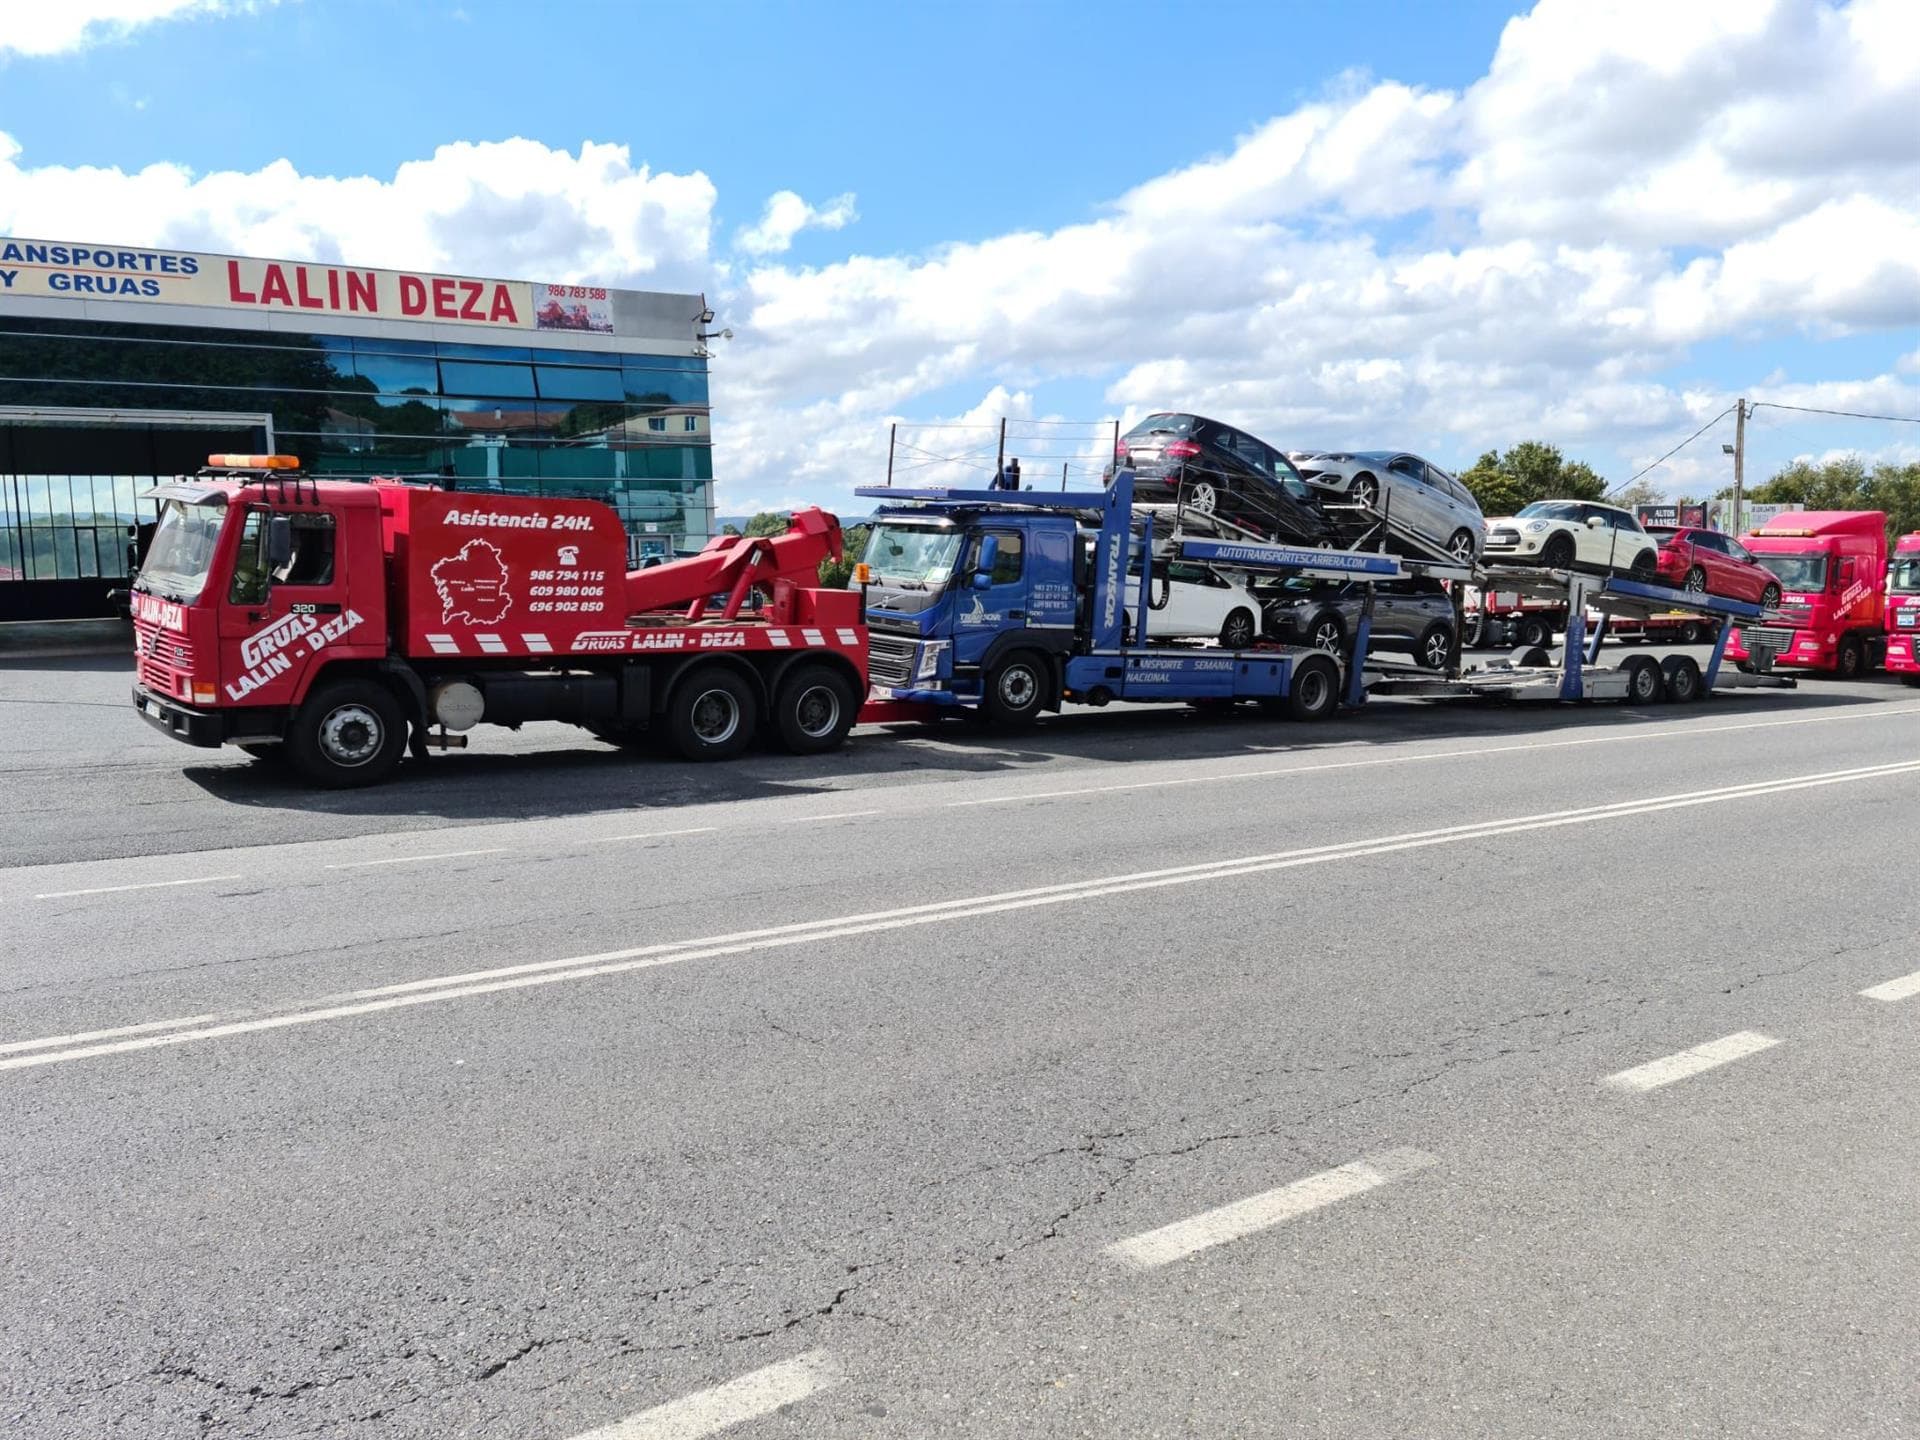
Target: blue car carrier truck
1011 603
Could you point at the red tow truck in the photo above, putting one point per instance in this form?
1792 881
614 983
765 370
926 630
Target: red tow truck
1832 566
1903 609
338 624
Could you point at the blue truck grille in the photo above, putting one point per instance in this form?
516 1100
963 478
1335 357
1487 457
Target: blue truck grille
890 659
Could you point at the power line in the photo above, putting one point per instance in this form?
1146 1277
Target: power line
1845 414
1673 452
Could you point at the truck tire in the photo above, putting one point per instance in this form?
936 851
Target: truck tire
712 714
813 710
1850 660
1681 677
1017 688
348 733
1313 690
1644 685
1533 632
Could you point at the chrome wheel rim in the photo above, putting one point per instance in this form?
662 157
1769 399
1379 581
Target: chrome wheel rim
1327 637
715 716
1018 687
817 711
350 735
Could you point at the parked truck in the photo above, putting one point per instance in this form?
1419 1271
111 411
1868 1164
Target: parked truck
337 624
1832 566
1903 609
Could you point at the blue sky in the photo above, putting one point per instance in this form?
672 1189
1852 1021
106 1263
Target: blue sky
1392 224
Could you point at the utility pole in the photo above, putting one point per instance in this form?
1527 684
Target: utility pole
1739 463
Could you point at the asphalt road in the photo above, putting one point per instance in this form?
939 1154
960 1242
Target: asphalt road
1438 1071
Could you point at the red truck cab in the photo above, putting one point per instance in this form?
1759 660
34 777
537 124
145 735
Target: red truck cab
1903 609
1832 567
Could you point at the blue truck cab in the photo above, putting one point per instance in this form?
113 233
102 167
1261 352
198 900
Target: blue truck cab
1011 603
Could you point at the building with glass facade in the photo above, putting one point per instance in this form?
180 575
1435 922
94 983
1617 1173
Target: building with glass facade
119 367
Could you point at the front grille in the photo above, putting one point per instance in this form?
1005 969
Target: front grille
1503 537
890 659
165 658
1777 638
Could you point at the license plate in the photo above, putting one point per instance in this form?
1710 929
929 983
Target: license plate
1909 619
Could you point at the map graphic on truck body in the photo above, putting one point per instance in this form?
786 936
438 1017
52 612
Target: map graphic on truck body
472 585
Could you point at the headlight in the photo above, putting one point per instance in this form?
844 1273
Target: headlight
929 665
1535 527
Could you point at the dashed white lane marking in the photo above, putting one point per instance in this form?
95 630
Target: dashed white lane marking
144 885
1263 1211
1905 988
1637 736
615 962
1669 1068
708 1412
652 835
13 1047
410 859
836 815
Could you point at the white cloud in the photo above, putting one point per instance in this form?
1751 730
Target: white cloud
40 29
786 215
510 207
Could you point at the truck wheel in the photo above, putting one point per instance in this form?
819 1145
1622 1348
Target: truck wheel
1682 679
1644 685
1238 632
1692 633
1850 660
1314 689
1534 632
348 733
712 715
813 710
1016 689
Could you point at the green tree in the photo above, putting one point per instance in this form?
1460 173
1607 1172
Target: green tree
834 574
1532 470
768 522
1846 484
729 529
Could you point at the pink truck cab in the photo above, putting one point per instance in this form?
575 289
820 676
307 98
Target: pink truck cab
1832 566
1903 609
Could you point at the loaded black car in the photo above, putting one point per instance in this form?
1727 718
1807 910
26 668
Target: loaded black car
1214 471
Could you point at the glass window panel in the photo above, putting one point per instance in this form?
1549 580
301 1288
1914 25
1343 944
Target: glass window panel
462 377
566 382
66 556
499 415
451 351
590 419
664 362
39 548
36 499
584 462
88 558
398 374
599 358
656 388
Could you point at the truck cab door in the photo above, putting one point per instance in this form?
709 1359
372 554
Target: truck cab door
285 603
992 599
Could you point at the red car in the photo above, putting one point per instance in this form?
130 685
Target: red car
1707 562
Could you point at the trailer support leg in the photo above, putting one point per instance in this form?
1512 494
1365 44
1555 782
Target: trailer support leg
1573 653
1599 638
1719 652
1357 661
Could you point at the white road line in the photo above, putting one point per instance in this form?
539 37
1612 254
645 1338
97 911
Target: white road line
409 859
145 885
836 815
616 962
1263 1211
650 835
708 1412
1905 988
1664 1071
14 1046
1639 736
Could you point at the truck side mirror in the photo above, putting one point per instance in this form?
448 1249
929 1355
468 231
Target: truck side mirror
983 564
279 541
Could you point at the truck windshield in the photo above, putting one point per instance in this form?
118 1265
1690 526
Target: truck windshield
913 555
1905 576
1797 572
182 550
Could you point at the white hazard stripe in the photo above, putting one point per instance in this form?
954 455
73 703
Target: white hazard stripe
813 637
492 644
538 644
443 645
778 638
847 637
